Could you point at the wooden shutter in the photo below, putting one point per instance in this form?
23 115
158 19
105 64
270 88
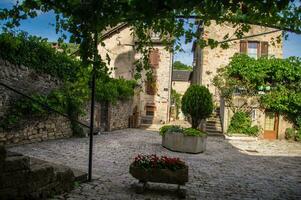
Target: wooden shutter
150 87
154 58
243 47
264 49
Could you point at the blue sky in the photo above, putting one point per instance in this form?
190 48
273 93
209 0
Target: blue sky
41 26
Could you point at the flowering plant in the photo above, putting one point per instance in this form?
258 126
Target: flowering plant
154 161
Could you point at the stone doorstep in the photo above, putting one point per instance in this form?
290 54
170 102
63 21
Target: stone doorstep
240 137
215 134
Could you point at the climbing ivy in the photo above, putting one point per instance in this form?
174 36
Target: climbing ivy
74 92
275 82
36 53
176 100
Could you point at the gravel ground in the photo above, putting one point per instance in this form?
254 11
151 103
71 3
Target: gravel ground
227 170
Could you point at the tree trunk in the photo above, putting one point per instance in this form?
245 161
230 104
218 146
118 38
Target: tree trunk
194 123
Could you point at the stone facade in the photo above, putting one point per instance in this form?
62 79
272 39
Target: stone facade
23 178
180 83
53 127
207 61
120 46
258 118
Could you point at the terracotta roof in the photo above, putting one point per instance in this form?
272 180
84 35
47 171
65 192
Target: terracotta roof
181 75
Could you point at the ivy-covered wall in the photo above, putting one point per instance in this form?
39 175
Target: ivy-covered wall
33 129
30 65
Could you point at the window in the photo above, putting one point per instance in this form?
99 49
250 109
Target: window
150 110
253 49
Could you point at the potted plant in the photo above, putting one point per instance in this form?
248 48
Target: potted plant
188 140
152 168
197 105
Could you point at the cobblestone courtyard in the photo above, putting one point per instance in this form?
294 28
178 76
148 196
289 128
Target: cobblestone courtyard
227 170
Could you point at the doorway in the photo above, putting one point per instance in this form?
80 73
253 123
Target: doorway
271 122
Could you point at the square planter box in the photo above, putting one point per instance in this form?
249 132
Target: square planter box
179 177
181 143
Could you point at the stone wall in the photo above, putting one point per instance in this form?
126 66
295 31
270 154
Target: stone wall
23 79
22 178
119 114
29 82
54 127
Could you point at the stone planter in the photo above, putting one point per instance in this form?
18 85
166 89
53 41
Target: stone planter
179 177
181 143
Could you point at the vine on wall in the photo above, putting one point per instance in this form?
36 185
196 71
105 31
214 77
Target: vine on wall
70 98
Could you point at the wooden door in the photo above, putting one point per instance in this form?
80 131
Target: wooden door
271 126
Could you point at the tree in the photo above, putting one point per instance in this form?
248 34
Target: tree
274 82
197 104
86 19
178 65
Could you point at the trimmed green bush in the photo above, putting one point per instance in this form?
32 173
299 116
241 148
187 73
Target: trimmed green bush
170 128
177 129
241 123
193 132
293 134
197 104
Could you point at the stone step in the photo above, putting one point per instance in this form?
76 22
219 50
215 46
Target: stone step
213 120
213 126
151 127
215 134
79 175
214 130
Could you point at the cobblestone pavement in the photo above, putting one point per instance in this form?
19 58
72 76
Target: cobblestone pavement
227 170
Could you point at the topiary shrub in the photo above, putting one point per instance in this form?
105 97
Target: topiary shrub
170 128
193 132
177 129
197 104
241 123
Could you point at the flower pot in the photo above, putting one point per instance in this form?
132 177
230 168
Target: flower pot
181 143
179 176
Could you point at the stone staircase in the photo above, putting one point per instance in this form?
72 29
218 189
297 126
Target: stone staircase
148 123
22 177
213 125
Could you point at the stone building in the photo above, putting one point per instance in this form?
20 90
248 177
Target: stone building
180 83
207 61
152 104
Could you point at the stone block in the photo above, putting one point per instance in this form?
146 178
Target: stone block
2 153
64 178
8 194
16 163
14 179
40 175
